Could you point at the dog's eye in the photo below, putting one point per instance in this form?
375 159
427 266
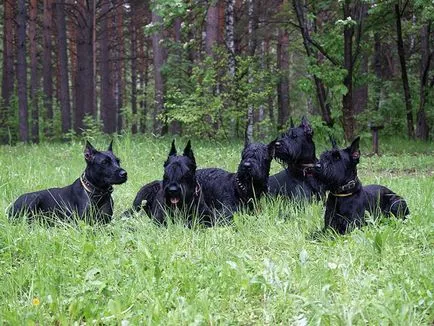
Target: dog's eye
105 162
336 156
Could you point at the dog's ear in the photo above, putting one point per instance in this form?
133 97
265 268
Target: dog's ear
271 149
354 150
110 148
188 151
306 126
291 122
172 149
89 151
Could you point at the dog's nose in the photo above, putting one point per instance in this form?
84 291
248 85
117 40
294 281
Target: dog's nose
247 164
172 189
123 174
277 144
318 167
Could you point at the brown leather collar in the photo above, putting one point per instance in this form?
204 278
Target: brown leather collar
92 189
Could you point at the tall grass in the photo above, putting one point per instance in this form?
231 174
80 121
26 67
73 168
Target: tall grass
270 267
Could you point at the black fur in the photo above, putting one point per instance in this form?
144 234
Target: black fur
348 200
226 192
296 150
179 192
89 197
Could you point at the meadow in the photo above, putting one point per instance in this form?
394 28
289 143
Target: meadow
270 267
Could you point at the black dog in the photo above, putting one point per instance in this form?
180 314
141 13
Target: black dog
347 200
296 150
226 192
179 192
89 197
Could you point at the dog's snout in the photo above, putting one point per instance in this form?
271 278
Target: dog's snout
172 189
123 173
277 144
318 167
247 164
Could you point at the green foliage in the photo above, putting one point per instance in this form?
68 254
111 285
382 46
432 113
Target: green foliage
92 129
207 95
271 267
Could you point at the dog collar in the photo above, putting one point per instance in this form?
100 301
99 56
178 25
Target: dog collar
240 185
342 195
350 185
92 189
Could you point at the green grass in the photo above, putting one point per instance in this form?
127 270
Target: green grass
271 267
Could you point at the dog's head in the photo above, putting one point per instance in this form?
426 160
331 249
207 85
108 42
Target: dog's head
337 166
255 161
296 145
103 168
179 181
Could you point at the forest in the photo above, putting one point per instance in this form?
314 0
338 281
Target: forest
217 69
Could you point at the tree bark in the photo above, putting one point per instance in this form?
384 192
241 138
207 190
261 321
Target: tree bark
64 97
175 125
229 35
251 46
119 71
7 87
72 50
34 76
158 54
22 72
47 71
347 99
404 76
283 84
321 92
422 128
211 28
133 35
108 104
144 81
85 81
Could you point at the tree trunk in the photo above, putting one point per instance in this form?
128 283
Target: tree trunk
378 70
159 82
270 100
404 76
133 34
34 76
144 81
422 128
85 81
47 71
229 35
347 99
211 28
8 68
64 98
283 84
321 92
120 82
175 125
361 92
251 45
108 104
22 72
72 50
